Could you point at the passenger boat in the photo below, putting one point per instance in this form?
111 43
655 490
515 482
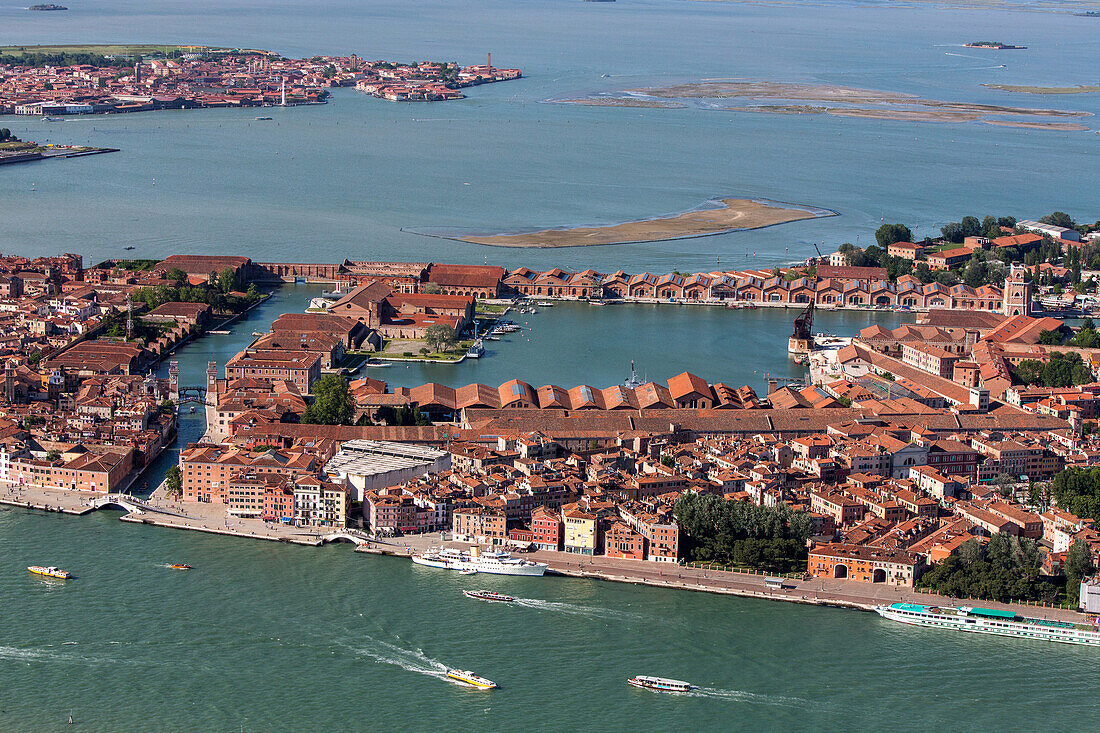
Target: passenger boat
179 566
990 621
544 304
492 562
465 675
487 595
660 684
50 572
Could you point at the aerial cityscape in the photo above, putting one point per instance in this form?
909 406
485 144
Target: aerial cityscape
723 350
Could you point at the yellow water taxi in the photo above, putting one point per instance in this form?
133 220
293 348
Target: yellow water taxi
471 679
50 572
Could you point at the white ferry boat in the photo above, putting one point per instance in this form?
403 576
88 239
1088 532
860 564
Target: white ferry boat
660 684
492 562
990 621
465 675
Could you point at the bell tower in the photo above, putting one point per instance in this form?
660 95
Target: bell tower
1017 293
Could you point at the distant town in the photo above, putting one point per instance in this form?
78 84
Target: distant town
952 456
50 82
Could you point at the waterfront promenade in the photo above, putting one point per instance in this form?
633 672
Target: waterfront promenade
160 511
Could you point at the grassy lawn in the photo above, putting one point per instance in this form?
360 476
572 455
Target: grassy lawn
410 349
490 309
21 147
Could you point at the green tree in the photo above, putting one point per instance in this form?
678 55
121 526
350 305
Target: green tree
953 232
1050 338
888 234
1029 371
440 337
173 482
1079 565
1058 219
332 402
227 280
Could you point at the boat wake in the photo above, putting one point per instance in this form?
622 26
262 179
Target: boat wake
717 693
576 609
407 659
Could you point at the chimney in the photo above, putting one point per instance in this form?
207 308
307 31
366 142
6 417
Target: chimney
489 63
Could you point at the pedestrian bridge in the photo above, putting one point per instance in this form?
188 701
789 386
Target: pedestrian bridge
125 502
346 535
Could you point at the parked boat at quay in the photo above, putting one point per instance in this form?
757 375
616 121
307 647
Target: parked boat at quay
468 677
990 621
492 562
487 595
660 684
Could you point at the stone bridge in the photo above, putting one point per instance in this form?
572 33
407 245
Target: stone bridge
346 535
125 502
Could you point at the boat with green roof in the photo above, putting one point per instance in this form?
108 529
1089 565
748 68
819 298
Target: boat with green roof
991 621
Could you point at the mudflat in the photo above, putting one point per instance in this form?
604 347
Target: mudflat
839 101
731 214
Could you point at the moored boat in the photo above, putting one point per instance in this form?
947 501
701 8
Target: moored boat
465 675
660 684
487 595
990 621
491 562
50 572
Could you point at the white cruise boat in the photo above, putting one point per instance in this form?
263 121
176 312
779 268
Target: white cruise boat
990 621
492 562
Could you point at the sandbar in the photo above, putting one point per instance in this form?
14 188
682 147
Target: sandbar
1056 126
624 102
1079 89
797 98
911 115
730 214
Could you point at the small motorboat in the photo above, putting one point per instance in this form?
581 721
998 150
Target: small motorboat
487 595
660 684
467 571
469 678
128 248
179 566
50 572
262 119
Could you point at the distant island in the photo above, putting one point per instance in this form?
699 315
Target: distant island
717 216
996 45
47 6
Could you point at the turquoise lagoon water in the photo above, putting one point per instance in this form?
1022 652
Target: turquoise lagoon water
269 637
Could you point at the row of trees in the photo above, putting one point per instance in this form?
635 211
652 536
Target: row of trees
39 59
1063 370
1077 490
216 292
743 534
1006 569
